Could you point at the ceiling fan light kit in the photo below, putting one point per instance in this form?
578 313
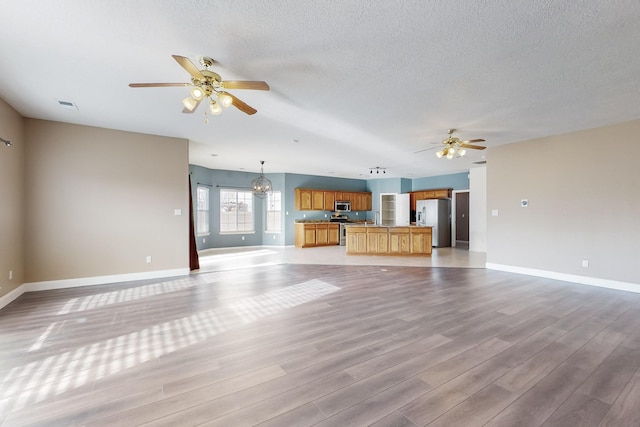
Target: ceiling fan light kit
206 83
453 146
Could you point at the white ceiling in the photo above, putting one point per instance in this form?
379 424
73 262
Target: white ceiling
354 84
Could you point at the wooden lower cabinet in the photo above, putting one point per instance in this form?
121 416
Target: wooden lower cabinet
316 234
399 241
357 240
376 240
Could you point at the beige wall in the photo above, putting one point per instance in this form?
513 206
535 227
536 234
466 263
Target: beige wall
100 201
583 198
12 197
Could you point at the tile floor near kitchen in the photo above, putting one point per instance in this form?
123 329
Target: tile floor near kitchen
230 258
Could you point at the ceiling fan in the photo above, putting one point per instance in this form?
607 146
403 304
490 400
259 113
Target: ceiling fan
205 83
453 146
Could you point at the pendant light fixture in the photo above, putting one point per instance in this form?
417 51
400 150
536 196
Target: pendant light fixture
261 186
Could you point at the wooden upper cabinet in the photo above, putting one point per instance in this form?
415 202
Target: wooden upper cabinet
302 199
440 193
317 200
367 202
329 200
324 200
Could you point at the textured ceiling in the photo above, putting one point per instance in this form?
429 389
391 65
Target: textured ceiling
354 84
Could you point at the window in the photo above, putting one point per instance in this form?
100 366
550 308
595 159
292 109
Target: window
274 212
202 221
236 211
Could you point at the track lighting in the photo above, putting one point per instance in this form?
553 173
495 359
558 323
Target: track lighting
377 169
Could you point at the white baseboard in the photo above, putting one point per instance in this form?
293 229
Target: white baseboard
89 281
10 296
583 280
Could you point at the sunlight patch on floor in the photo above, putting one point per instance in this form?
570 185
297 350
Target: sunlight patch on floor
56 374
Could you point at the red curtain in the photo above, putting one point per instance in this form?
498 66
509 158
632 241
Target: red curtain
194 261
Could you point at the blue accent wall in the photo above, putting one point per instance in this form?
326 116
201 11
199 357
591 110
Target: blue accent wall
286 183
457 181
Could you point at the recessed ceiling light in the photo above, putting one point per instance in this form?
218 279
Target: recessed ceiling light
214 155
295 140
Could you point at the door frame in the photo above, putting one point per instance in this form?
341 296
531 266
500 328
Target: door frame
453 216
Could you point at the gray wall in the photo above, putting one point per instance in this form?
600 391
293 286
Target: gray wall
12 200
582 189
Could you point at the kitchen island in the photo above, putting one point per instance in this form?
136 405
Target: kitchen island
407 240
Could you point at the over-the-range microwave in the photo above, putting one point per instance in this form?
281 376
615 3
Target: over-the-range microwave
342 206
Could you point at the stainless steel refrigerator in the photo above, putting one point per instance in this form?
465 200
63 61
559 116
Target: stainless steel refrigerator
436 213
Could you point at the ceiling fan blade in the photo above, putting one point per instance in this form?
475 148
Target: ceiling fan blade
472 140
237 84
157 84
189 66
240 105
187 111
425 149
473 147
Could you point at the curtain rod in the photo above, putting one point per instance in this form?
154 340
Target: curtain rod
202 183
234 186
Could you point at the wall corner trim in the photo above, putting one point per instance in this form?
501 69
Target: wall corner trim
89 281
583 280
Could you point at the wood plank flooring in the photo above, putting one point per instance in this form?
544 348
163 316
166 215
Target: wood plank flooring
318 345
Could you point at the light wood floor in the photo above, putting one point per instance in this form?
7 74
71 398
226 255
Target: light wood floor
291 344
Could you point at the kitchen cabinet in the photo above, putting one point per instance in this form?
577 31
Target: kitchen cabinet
334 234
312 234
357 240
324 200
440 193
317 200
381 240
329 200
421 240
378 240
302 199
399 240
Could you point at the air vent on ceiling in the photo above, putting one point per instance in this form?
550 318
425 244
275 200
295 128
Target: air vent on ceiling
481 162
68 104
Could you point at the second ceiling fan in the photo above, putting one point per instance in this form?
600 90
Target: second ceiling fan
205 83
453 146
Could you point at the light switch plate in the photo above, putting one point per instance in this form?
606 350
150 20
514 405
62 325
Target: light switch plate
494 212
524 203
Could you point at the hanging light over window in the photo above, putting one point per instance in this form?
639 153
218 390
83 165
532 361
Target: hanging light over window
261 186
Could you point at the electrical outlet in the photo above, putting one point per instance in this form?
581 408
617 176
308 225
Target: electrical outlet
149 259
585 263
274 237
242 237
494 212
203 240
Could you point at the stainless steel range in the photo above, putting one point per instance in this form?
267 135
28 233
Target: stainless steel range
343 220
